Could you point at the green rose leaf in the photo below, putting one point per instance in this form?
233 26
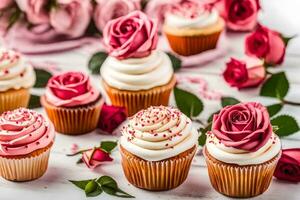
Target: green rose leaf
42 77
276 86
92 189
176 62
96 62
34 102
286 40
286 124
108 146
203 131
211 117
274 109
227 101
81 184
110 186
188 103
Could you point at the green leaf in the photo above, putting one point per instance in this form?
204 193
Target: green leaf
286 124
110 186
274 109
276 86
34 102
14 17
227 101
211 117
96 62
188 103
202 137
176 62
286 40
81 184
108 146
92 189
42 77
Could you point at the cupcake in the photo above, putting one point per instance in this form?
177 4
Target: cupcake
241 150
16 79
157 147
135 75
72 103
26 138
192 27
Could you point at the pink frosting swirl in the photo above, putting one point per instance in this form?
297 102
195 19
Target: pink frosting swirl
130 36
243 126
23 131
189 8
71 89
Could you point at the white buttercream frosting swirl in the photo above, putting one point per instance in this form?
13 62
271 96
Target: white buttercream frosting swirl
138 73
15 73
242 157
158 133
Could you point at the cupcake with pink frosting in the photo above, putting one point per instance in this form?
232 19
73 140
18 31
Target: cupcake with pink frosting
157 147
192 27
72 103
135 75
242 149
26 138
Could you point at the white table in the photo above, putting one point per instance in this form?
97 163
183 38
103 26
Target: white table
54 184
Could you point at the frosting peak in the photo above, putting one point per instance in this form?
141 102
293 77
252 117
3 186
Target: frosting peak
158 133
23 131
71 89
14 72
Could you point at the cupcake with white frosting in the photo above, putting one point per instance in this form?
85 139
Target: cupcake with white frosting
135 75
16 79
192 27
157 147
242 150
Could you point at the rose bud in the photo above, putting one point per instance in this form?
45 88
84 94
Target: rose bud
95 157
244 73
288 167
111 117
266 44
239 15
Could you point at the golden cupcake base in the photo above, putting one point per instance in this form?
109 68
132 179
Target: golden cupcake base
157 175
240 181
135 101
13 99
73 121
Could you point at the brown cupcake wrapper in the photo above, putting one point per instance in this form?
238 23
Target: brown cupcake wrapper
192 45
13 99
157 175
24 169
240 181
73 121
135 101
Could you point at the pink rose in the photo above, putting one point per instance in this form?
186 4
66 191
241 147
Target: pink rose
244 74
240 15
4 22
107 10
111 117
156 9
36 10
243 126
71 17
70 89
95 157
131 36
266 44
6 4
288 167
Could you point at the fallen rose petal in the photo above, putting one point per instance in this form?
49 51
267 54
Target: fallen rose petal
95 157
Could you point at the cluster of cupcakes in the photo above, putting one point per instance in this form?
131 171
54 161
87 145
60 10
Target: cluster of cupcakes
158 143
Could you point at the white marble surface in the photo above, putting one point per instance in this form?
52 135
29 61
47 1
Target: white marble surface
54 184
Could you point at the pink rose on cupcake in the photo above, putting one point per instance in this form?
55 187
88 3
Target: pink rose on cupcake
243 126
71 17
131 36
266 44
244 74
6 4
107 10
240 15
35 10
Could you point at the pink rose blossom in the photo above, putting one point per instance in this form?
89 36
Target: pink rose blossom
107 10
5 4
71 17
131 36
35 10
95 157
